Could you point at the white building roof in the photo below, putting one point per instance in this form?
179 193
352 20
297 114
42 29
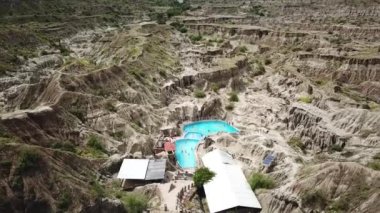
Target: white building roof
142 169
133 169
229 188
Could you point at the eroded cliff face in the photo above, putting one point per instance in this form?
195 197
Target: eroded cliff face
316 189
299 79
36 179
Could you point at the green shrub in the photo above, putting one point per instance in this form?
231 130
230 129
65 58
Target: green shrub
175 11
341 205
230 107
202 176
314 199
259 69
64 146
195 38
183 30
215 87
199 94
97 190
296 142
64 201
375 165
305 99
94 142
261 181
135 203
29 160
243 49
234 97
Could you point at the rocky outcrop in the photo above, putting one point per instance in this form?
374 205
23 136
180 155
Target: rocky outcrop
356 120
212 108
105 205
316 133
276 202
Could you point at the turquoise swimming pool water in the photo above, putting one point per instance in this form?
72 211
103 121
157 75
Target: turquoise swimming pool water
193 134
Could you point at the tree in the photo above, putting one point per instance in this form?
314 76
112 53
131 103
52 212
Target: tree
202 176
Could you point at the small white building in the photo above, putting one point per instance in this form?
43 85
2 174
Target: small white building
229 189
136 172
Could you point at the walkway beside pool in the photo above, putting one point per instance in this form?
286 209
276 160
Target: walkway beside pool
169 198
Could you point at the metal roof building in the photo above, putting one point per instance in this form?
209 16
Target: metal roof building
229 189
142 169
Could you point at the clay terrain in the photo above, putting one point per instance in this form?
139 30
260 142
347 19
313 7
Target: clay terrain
86 84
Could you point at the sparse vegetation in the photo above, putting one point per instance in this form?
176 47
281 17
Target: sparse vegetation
161 18
215 87
179 26
110 107
243 49
233 97
199 93
80 113
97 190
195 38
177 8
315 199
119 135
257 10
64 146
94 142
29 160
340 205
202 176
64 201
305 99
261 181
135 203
375 163
258 69
296 143
94 148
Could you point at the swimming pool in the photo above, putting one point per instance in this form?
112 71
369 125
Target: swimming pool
193 134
